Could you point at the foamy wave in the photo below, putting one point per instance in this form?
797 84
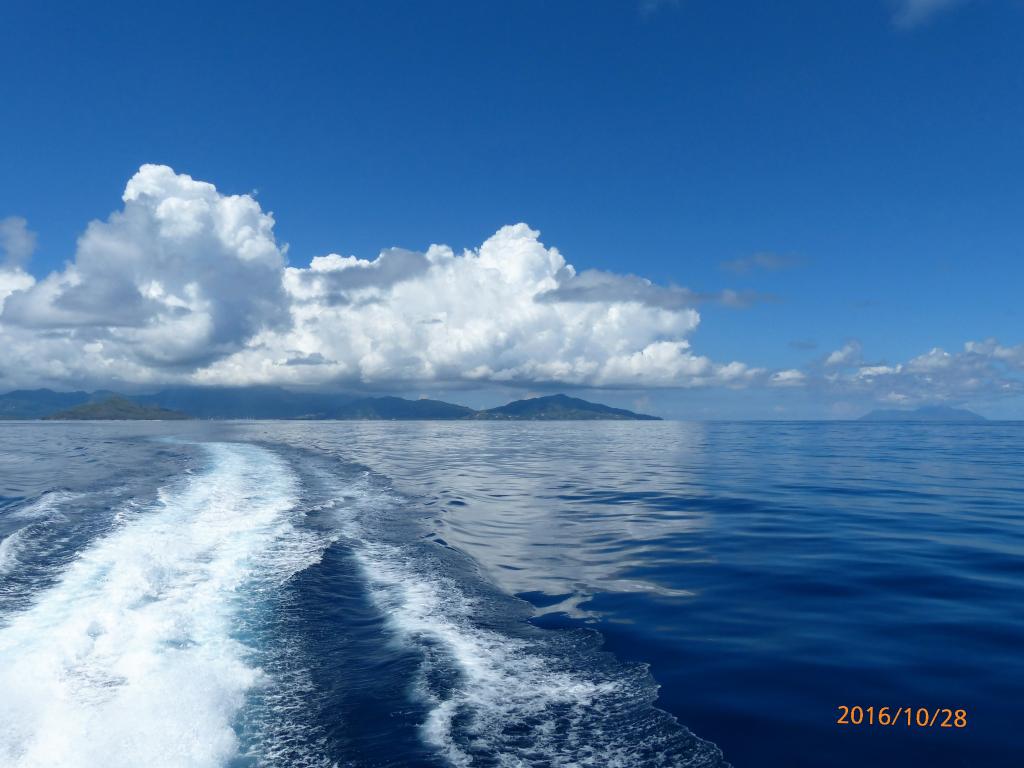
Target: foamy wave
510 702
46 506
8 551
502 683
130 659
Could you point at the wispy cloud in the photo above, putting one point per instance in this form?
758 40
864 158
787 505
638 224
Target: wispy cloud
906 13
911 13
647 7
770 262
17 242
848 354
791 377
594 285
803 344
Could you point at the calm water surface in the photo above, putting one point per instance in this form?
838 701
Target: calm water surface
508 594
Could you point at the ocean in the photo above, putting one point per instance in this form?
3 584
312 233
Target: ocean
511 594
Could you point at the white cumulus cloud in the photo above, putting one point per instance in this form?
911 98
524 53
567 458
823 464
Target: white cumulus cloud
11 280
180 276
487 314
186 284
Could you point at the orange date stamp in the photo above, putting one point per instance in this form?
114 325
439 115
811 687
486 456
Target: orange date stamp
908 717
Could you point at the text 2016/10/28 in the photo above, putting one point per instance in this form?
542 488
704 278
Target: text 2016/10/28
919 717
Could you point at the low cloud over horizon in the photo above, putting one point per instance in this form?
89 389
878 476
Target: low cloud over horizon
186 285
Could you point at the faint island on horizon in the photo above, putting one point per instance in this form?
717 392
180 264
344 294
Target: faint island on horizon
924 413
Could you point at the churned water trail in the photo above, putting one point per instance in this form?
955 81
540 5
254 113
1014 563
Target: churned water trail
131 657
237 615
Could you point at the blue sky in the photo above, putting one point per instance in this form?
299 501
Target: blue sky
855 165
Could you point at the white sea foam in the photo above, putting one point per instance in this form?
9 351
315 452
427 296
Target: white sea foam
8 551
130 659
46 506
509 701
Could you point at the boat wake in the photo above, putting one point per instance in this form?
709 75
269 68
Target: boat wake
179 637
131 657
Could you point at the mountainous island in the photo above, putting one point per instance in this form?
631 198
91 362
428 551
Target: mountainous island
116 408
277 403
925 413
560 407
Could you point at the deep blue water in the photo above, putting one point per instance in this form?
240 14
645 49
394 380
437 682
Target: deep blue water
508 594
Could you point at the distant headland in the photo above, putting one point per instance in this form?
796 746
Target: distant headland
277 403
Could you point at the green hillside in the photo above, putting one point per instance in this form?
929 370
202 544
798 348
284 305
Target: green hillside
115 408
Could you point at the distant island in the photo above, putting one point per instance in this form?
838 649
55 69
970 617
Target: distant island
560 407
277 403
116 408
925 413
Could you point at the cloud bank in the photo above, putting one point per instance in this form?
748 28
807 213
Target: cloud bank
981 371
185 284
771 262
